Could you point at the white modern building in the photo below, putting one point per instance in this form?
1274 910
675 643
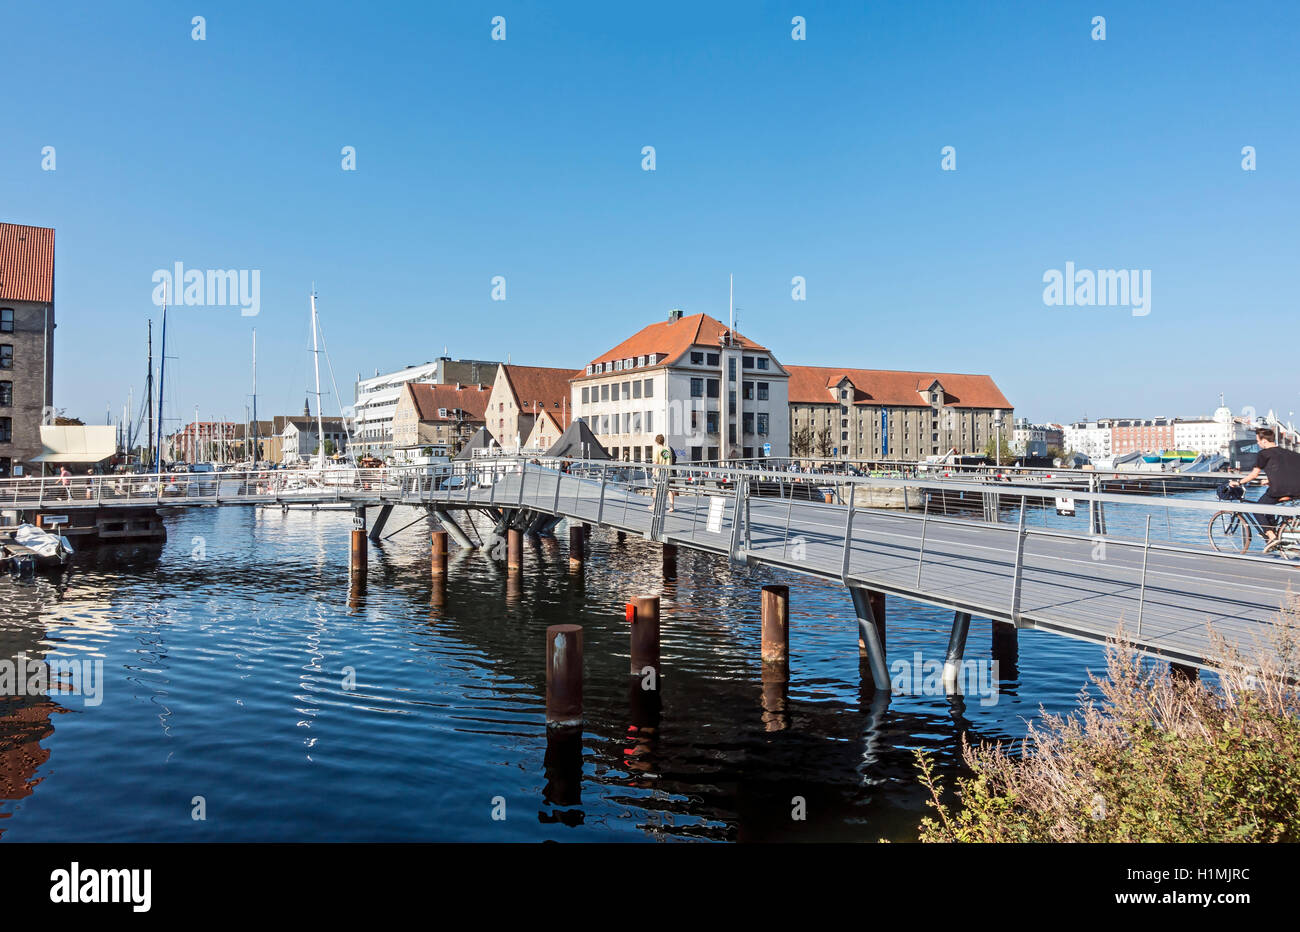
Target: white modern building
377 397
712 393
1091 438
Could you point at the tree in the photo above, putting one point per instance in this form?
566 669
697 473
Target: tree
801 442
994 446
824 442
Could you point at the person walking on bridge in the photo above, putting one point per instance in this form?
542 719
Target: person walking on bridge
1281 469
664 458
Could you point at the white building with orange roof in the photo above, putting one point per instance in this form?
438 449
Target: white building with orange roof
713 394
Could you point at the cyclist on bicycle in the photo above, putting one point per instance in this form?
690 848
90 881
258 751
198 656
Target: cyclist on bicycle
1282 469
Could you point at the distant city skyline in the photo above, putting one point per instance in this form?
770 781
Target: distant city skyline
1156 162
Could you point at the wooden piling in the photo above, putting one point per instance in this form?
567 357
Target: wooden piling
643 613
670 561
357 565
1006 650
438 560
514 548
564 676
577 545
775 609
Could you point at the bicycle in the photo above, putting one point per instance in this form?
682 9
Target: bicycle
1231 531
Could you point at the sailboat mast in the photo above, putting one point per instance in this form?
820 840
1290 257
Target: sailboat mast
149 391
162 370
315 358
256 454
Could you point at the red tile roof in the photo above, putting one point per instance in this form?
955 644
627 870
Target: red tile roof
26 263
673 338
538 388
816 384
429 398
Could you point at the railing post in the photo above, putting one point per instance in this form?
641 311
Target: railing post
1142 592
736 518
920 557
600 506
1020 561
848 542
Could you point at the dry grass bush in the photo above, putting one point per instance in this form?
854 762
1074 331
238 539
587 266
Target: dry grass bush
1148 757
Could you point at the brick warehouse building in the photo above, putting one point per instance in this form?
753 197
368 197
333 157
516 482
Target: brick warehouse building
26 343
866 414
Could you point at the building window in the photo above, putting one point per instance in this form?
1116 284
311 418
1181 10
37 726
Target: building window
6 430
748 419
762 362
697 454
636 389
627 390
697 388
586 396
6 394
713 388
711 422
762 425
747 362
748 392
649 421
713 359
697 359
762 391
695 420
604 392
649 388
6 356
6 320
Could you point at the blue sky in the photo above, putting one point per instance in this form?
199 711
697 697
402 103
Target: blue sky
774 158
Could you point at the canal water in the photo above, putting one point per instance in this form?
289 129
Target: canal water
242 683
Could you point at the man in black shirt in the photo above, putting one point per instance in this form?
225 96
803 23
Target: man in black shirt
1282 467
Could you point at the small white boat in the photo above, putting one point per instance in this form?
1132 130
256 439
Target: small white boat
36 546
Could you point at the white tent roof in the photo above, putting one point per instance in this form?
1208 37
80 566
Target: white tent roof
77 444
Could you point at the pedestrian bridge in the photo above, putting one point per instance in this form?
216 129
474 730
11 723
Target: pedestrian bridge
1165 589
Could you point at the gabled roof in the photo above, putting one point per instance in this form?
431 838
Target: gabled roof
578 442
481 440
537 387
26 263
816 385
430 398
672 338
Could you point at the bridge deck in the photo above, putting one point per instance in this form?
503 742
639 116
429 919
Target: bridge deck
1074 586
1083 586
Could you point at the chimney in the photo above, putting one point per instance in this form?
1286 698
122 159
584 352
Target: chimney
674 315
